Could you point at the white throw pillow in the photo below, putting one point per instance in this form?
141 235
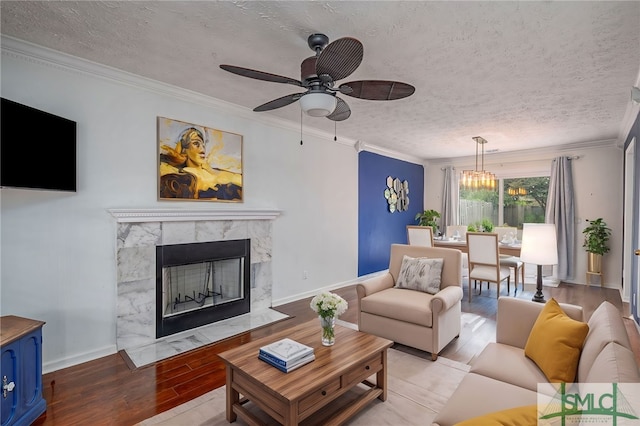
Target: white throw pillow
421 274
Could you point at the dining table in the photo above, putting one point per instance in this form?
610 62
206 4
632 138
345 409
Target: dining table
511 249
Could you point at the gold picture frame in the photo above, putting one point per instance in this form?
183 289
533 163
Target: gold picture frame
198 163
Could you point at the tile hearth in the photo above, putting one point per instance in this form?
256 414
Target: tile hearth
182 342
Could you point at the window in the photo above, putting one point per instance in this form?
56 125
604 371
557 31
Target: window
512 203
525 200
478 206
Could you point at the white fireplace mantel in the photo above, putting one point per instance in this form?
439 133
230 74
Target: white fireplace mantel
177 215
141 230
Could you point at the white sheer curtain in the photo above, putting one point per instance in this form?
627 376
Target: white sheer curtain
450 203
560 211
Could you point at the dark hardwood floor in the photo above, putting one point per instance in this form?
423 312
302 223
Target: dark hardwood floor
107 391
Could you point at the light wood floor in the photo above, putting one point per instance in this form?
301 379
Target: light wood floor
107 391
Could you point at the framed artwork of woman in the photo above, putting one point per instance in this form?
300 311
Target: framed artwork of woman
198 163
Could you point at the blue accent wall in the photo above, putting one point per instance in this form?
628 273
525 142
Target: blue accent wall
378 228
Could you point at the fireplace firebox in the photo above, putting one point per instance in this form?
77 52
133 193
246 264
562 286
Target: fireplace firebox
201 283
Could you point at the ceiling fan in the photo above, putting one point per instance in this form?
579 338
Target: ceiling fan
332 61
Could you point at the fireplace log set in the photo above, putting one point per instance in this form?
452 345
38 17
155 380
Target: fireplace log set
201 298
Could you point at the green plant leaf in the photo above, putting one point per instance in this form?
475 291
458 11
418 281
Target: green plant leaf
596 236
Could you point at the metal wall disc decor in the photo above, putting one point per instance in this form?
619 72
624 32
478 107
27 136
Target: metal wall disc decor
397 194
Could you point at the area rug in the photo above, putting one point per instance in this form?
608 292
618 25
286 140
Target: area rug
417 389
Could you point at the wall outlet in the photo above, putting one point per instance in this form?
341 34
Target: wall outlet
305 275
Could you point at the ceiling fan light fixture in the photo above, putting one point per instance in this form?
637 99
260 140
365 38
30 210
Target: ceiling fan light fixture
318 104
332 62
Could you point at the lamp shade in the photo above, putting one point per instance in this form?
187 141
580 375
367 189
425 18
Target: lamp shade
318 104
539 244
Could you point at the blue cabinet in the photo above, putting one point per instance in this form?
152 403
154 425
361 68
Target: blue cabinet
21 371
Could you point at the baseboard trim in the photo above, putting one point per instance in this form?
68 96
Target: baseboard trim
312 293
61 363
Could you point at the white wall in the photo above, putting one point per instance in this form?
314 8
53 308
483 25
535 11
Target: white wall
58 249
598 186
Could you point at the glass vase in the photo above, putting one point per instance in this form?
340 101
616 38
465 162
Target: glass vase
328 330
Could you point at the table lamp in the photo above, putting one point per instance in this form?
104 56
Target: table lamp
540 247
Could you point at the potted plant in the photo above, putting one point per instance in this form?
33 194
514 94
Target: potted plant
428 218
484 225
596 236
487 225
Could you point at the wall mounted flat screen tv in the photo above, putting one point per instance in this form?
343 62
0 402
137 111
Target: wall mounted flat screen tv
37 149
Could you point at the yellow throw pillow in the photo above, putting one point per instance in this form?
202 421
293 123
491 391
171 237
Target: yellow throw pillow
555 343
519 416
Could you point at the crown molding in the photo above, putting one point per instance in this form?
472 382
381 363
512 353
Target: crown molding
43 56
362 146
528 154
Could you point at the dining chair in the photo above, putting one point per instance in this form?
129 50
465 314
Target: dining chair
484 261
518 268
507 231
460 229
420 235
505 235
462 232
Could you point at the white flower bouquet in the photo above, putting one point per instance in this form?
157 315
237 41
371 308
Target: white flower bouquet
327 304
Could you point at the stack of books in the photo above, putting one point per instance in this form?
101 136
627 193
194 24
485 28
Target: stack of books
286 354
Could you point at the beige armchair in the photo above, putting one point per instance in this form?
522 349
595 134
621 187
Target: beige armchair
414 318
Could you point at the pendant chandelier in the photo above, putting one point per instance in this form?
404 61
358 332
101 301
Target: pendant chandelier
517 191
478 178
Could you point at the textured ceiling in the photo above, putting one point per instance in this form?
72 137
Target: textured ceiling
520 74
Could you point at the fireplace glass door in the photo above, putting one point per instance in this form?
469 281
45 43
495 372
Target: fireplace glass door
201 285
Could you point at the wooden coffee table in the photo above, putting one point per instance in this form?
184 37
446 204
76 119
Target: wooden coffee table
292 397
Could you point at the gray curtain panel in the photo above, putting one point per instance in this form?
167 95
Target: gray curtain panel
450 193
561 212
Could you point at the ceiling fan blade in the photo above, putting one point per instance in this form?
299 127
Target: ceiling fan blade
342 111
279 103
260 75
378 90
340 58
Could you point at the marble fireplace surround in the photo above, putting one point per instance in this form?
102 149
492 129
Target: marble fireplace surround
139 231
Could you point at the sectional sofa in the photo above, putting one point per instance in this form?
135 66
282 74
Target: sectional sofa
503 382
